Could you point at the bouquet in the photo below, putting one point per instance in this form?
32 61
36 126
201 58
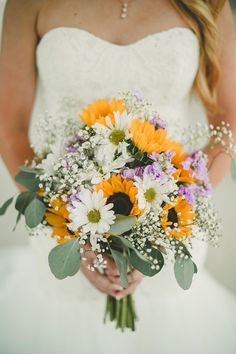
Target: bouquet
115 181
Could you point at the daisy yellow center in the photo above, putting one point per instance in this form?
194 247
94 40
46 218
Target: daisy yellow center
94 216
117 136
150 195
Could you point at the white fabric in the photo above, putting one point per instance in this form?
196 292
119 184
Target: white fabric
40 314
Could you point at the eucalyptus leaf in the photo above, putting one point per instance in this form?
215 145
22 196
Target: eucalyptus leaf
183 248
144 265
121 242
122 264
195 268
233 168
34 213
5 206
184 270
122 224
27 180
30 170
23 200
17 221
64 259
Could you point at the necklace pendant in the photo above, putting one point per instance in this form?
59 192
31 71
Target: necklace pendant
124 10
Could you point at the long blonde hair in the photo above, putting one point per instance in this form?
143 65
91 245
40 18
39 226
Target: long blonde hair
201 16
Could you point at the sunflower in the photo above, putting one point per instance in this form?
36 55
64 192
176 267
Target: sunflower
99 109
58 217
178 218
149 139
122 193
181 174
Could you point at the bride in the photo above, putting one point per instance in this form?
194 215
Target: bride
173 51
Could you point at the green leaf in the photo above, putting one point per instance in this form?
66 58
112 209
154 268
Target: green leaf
5 206
30 170
28 180
122 264
233 168
195 268
184 270
183 248
122 224
34 213
23 200
17 221
139 155
64 259
121 242
144 265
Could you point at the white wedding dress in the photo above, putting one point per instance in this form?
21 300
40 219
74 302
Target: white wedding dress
40 314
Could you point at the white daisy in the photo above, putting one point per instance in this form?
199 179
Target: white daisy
92 214
152 192
113 138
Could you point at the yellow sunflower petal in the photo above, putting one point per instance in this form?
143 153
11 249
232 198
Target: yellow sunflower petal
55 220
99 109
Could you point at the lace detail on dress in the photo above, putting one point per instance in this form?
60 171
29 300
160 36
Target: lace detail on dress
74 63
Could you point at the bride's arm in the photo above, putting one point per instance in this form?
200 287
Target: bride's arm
17 81
17 91
226 90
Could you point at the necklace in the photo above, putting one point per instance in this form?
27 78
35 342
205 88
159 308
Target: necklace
124 10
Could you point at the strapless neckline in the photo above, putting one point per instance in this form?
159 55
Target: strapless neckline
83 32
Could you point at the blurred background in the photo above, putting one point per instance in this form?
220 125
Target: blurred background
220 262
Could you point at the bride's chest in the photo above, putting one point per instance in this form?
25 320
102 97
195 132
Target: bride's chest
72 61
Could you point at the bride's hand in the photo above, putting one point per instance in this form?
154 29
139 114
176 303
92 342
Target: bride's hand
109 282
134 278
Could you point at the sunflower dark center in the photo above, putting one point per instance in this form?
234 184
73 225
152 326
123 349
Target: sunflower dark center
122 203
172 217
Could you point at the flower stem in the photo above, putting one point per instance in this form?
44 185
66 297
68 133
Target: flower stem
122 311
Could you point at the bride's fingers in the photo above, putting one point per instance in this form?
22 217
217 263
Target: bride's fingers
128 290
111 269
133 276
132 286
101 282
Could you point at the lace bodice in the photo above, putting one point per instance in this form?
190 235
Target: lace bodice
73 63
77 64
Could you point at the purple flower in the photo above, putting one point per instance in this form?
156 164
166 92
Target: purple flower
71 149
154 156
200 170
158 122
205 190
154 170
169 154
188 192
74 197
186 164
73 143
197 162
168 168
132 173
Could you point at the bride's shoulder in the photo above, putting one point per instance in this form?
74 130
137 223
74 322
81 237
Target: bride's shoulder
24 8
25 4
23 13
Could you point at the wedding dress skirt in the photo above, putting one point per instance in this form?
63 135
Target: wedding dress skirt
40 314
